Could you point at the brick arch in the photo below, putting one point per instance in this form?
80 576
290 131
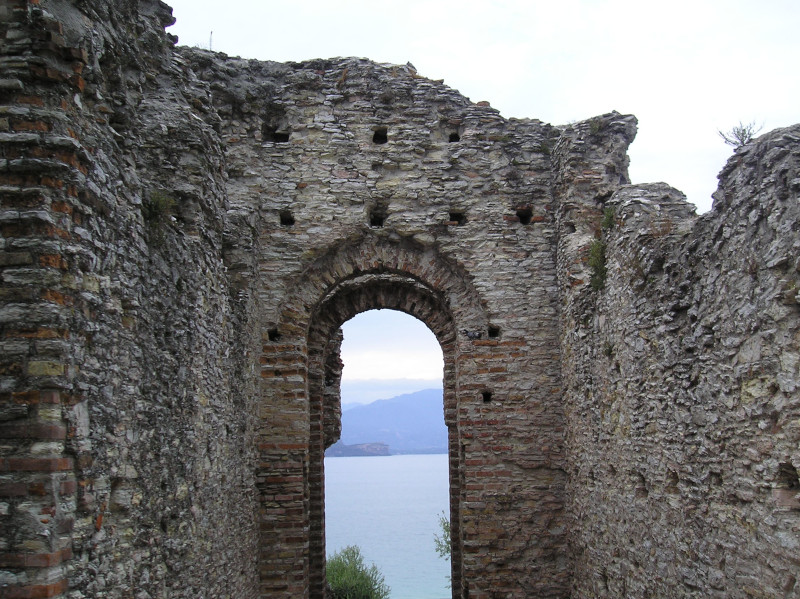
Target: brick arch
358 295
373 255
297 360
393 291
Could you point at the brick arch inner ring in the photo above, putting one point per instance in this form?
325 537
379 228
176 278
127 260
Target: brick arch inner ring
370 291
376 256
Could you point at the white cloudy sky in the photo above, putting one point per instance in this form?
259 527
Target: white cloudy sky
369 346
685 68
388 353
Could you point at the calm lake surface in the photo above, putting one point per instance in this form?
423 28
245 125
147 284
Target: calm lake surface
389 506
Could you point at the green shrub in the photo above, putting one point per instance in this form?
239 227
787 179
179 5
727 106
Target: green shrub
542 148
596 125
597 263
441 540
608 218
349 578
157 208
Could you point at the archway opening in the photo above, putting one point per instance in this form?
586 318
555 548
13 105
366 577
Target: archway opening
387 478
357 280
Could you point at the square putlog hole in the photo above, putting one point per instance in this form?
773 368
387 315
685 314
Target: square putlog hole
377 216
457 218
270 133
525 214
381 135
287 218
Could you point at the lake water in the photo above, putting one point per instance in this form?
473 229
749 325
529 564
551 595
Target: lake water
389 506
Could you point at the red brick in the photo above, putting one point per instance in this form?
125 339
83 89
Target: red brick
13 489
54 261
29 229
33 430
38 489
30 100
51 397
30 126
40 333
57 297
52 182
34 560
60 206
17 464
68 487
26 397
78 81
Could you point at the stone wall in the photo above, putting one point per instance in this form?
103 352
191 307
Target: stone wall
682 399
184 232
126 399
450 219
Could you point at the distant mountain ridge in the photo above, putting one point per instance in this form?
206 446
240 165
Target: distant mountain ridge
409 423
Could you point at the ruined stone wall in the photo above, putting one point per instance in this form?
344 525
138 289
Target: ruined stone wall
682 403
349 168
184 232
126 404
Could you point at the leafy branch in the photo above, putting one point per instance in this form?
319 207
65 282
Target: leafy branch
740 134
441 540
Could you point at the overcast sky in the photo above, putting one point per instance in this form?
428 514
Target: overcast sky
388 353
686 69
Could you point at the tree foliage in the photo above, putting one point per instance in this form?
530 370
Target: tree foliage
740 134
441 540
349 578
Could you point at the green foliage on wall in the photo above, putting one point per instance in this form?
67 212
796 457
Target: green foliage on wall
441 540
157 208
597 263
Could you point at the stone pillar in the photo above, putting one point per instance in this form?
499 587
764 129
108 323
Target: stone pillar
283 468
42 167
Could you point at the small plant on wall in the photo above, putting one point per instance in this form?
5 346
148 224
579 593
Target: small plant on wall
740 134
157 210
441 540
597 264
608 218
596 125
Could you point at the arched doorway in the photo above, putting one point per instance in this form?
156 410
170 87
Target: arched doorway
299 415
393 291
390 505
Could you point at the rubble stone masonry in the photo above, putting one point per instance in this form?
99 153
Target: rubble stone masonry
183 233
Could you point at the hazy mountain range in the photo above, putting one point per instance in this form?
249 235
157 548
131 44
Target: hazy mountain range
362 392
409 423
